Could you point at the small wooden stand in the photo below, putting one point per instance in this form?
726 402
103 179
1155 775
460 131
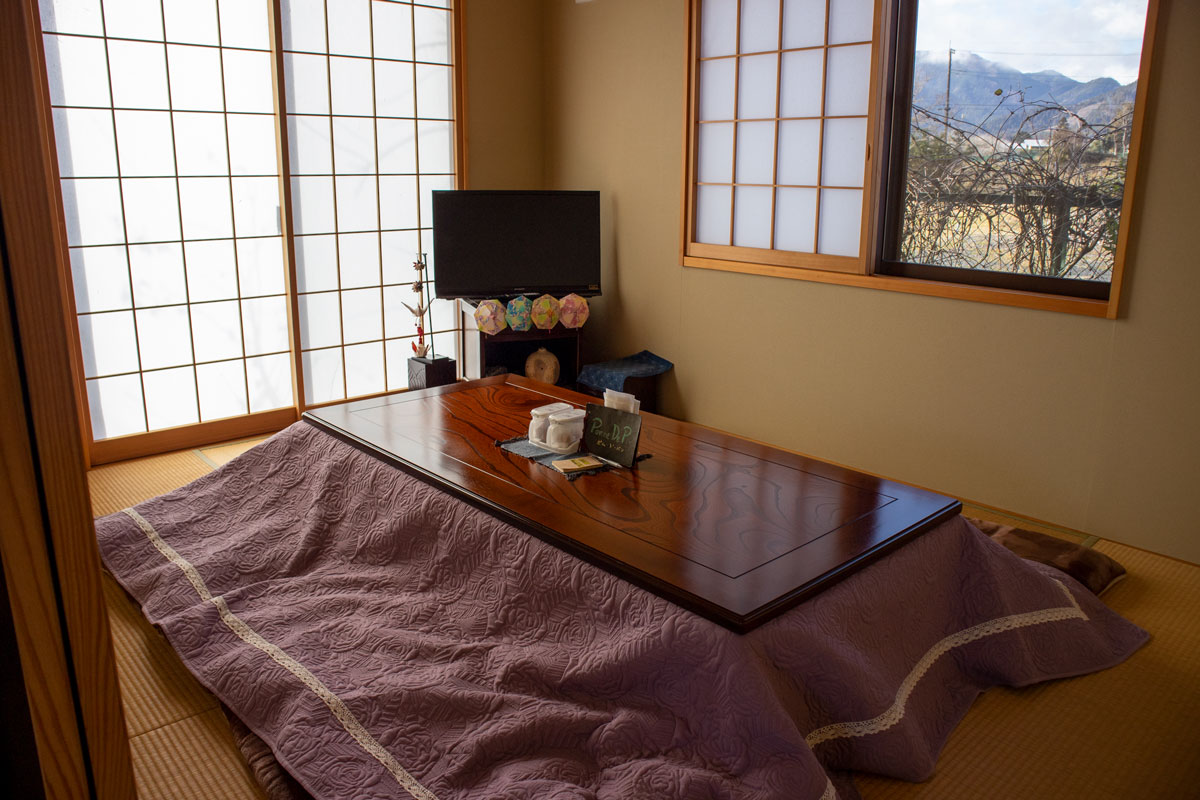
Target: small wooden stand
508 349
425 373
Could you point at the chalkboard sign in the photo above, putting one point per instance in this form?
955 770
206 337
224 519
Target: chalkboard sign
611 433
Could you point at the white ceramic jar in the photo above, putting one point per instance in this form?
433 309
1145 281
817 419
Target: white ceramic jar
539 421
566 430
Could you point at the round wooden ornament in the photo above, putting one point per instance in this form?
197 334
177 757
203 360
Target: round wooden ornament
542 365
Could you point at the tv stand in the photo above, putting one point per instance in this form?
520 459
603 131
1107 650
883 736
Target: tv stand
508 349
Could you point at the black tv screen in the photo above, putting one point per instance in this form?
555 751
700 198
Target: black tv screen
491 244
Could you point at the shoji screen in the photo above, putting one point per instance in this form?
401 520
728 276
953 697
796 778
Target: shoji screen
164 120
370 123
169 149
781 126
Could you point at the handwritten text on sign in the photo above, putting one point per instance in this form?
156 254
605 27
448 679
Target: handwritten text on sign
611 433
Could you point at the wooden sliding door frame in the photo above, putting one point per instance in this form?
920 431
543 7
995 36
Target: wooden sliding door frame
119 448
103 451
49 544
136 445
769 260
28 573
458 50
284 162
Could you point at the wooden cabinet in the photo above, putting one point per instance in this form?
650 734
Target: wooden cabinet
484 355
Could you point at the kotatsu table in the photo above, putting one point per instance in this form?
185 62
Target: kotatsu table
732 529
386 639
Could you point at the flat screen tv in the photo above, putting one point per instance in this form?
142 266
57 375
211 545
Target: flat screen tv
492 244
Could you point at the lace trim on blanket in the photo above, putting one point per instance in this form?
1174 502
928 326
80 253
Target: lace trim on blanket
248 635
842 730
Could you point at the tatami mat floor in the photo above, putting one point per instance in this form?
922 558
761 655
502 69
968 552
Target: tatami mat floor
180 740
1127 732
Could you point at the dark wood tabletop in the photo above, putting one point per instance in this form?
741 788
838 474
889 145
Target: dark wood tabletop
732 529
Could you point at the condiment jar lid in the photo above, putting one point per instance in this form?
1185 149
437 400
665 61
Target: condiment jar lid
569 415
545 411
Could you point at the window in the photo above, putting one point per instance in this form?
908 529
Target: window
1009 133
371 130
194 265
782 114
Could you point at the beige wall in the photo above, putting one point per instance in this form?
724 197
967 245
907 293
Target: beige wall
1087 423
504 88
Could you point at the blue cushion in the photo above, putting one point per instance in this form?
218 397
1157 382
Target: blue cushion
612 374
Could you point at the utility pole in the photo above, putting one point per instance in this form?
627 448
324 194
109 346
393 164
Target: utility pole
949 63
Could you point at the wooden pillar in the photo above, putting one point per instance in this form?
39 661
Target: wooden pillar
47 539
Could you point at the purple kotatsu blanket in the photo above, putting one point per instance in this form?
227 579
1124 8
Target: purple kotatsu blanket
387 640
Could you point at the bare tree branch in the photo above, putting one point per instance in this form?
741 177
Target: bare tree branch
1042 200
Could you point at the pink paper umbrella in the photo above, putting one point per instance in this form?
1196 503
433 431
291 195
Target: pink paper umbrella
489 317
573 311
545 312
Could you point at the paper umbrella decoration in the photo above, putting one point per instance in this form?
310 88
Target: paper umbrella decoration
489 317
518 313
573 311
545 312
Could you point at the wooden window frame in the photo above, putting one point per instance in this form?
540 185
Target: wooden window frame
883 137
718 256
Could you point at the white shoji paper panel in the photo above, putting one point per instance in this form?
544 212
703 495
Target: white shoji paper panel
116 406
170 397
800 86
718 25
755 152
760 26
222 389
841 219
847 80
803 23
100 276
757 78
715 159
752 216
713 214
795 219
850 20
717 81
845 154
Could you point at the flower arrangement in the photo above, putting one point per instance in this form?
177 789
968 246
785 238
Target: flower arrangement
420 347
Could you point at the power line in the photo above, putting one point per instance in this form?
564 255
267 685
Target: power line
1014 105
1039 53
1007 73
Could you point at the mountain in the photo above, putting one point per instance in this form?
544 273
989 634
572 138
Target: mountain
999 98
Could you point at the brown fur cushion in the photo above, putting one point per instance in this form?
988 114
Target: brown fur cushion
1094 570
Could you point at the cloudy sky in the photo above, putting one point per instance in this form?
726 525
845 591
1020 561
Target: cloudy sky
1083 39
